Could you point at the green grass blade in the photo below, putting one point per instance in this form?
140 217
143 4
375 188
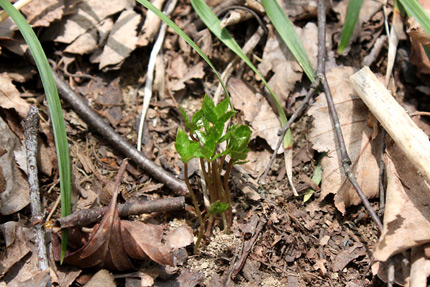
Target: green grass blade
288 34
351 18
414 9
54 109
213 23
184 36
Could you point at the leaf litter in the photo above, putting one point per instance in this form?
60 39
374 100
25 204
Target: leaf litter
302 244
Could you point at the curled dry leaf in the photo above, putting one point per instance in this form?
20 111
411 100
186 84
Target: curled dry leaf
353 116
406 218
113 242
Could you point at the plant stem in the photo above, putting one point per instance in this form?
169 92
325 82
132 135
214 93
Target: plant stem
196 207
228 194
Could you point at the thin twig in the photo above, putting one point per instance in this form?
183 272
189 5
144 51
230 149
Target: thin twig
282 131
31 129
86 217
108 133
150 72
346 161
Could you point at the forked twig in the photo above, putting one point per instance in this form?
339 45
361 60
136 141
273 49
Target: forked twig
108 133
321 79
346 161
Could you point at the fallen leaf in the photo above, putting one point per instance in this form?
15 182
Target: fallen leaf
122 39
101 278
263 122
113 242
353 115
343 258
195 72
16 245
16 194
43 12
277 58
88 15
406 218
151 26
10 97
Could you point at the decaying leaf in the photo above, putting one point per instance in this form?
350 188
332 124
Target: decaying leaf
43 12
277 58
15 195
353 116
122 39
151 26
10 97
114 243
406 218
257 112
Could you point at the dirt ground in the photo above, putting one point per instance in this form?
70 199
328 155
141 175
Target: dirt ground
277 239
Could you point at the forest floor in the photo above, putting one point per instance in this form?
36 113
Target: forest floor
323 237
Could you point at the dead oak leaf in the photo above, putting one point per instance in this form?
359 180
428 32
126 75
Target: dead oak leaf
353 115
406 218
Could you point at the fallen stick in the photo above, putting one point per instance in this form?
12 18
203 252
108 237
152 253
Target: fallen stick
85 217
411 140
31 129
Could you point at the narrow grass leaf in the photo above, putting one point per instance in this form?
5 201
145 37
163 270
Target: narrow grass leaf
414 9
213 23
54 109
288 34
351 18
184 36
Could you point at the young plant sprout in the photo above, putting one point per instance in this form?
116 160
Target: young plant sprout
205 134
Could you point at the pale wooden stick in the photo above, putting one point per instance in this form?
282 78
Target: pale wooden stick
412 140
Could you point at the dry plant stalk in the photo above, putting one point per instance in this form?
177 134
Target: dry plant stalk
405 133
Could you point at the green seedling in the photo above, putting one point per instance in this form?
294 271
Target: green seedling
205 134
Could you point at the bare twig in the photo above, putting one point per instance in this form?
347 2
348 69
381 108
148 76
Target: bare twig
31 129
99 126
86 217
282 131
346 161
150 72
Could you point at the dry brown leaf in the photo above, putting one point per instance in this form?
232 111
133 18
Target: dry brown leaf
195 72
43 12
101 278
16 194
263 121
353 115
89 13
277 58
113 242
16 245
122 39
406 218
10 97
151 26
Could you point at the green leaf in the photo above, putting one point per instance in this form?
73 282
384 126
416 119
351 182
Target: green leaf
288 34
55 110
317 178
213 23
415 10
238 142
185 147
218 207
209 110
184 36
351 18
